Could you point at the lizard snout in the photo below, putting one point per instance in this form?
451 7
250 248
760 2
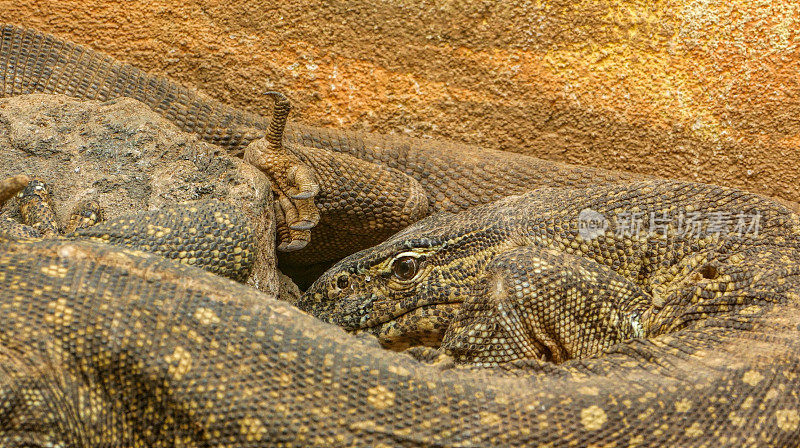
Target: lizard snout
333 298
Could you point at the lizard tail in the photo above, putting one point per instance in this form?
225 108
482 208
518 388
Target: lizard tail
36 62
279 116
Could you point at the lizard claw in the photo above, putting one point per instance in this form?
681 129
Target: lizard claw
303 179
36 208
305 217
293 246
290 239
293 182
302 225
86 215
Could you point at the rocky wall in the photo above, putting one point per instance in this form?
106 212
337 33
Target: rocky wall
694 89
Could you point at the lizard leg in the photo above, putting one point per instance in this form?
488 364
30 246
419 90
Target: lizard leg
545 304
36 208
293 181
9 227
86 215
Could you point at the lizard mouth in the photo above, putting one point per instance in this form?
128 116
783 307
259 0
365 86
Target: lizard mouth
422 325
367 323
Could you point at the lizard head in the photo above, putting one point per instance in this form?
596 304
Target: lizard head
406 290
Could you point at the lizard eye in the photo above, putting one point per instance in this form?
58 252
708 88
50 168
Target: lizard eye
405 267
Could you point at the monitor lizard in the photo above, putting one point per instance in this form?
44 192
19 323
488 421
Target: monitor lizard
714 367
103 345
523 277
355 189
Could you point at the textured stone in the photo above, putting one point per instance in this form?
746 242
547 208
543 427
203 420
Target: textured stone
128 158
689 89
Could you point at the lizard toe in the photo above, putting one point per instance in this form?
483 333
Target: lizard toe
295 236
304 180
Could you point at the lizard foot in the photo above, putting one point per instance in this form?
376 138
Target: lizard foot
293 181
86 215
36 209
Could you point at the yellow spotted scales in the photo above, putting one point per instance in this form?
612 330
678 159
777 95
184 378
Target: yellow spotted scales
678 342
209 234
103 345
630 316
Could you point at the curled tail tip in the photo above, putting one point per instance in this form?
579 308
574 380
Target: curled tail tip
279 116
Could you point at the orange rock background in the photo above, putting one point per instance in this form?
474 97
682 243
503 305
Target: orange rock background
695 89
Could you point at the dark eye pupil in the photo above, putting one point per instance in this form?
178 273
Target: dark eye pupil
405 268
342 282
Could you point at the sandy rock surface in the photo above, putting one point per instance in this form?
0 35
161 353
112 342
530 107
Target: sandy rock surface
700 90
129 158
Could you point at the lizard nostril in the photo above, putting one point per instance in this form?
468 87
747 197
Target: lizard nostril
709 272
342 281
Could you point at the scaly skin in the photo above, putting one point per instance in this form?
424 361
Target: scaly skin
210 234
371 186
104 345
515 279
108 346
